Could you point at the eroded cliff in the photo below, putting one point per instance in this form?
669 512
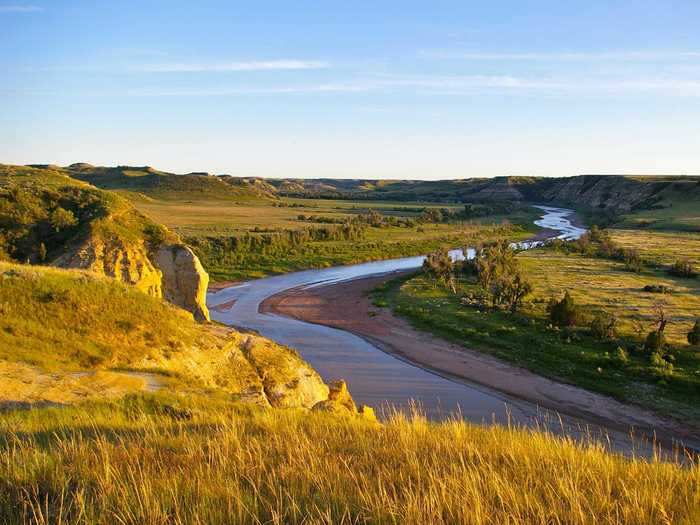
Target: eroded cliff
51 218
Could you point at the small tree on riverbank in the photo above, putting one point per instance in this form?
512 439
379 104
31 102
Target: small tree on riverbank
499 275
439 266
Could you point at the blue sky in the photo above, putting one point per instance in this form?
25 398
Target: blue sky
359 89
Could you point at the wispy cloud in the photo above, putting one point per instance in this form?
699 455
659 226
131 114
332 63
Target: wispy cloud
256 65
563 56
17 8
452 86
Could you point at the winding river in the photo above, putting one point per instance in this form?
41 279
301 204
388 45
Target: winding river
376 378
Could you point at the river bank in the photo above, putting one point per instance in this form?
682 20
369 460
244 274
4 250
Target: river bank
347 306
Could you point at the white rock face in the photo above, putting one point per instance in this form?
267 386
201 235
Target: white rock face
184 280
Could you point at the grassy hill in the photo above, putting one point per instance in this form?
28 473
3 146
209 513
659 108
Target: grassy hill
150 182
44 210
646 197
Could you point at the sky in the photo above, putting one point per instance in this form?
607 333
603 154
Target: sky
362 89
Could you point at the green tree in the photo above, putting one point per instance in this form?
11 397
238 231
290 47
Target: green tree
564 312
683 268
439 266
499 275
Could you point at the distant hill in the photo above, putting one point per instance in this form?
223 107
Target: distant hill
160 184
616 193
607 193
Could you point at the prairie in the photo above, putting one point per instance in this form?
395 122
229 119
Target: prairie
131 462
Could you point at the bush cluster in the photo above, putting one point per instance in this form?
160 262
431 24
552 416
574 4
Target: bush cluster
683 268
598 243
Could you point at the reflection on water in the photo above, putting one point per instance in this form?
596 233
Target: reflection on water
374 377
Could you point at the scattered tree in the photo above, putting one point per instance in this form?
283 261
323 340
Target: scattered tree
499 275
632 260
564 312
439 266
683 268
660 316
603 326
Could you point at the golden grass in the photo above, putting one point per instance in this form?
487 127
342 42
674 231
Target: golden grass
660 247
106 464
70 319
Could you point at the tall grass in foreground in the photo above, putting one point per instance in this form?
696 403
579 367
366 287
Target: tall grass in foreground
124 463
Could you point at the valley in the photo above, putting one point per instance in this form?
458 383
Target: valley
111 345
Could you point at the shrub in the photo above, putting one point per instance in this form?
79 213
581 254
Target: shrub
155 235
660 366
603 326
564 312
632 260
657 288
655 342
683 268
621 357
694 334
62 219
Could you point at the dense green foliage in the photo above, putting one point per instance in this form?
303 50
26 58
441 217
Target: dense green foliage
499 274
260 253
683 268
34 212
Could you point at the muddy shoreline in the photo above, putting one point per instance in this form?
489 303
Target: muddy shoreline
346 306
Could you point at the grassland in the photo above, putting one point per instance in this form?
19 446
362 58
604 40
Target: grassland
676 213
132 462
203 222
660 248
527 339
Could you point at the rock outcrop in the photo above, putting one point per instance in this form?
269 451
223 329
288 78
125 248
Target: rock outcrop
127 262
340 402
172 272
184 281
287 379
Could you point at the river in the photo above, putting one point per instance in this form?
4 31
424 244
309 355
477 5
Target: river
381 380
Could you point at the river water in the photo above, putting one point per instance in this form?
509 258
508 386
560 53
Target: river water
382 380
